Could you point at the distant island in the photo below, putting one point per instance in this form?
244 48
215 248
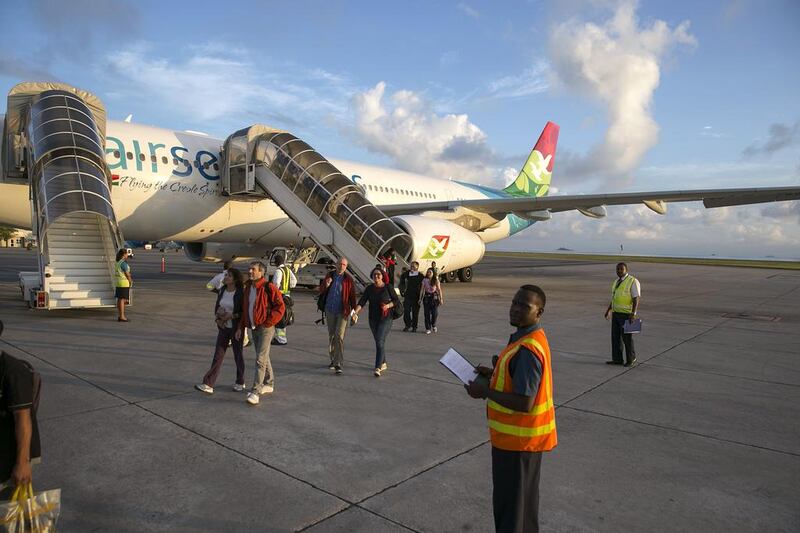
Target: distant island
562 249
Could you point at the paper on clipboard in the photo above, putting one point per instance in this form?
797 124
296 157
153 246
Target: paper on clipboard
460 367
634 326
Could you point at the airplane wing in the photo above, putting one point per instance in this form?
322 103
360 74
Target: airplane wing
655 200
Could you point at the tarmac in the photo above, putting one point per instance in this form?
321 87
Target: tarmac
702 435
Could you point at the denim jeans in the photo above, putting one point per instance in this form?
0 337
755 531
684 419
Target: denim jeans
431 312
380 330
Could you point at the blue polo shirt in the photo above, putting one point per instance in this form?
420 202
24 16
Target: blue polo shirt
333 302
525 368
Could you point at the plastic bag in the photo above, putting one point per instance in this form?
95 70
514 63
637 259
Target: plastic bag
31 513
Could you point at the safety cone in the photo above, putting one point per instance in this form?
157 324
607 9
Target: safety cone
163 264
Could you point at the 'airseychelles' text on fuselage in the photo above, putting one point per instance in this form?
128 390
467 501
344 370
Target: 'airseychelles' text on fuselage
203 160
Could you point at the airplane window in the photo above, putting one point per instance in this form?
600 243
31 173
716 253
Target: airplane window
141 157
116 154
164 159
216 167
175 161
196 163
381 189
129 155
206 165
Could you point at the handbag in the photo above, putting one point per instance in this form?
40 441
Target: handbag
397 308
27 512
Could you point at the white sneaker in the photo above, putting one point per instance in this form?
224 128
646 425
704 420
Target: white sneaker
435 329
384 366
267 389
202 387
252 398
427 332
238 388
377 372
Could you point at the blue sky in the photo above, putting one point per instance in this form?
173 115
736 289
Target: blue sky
649 95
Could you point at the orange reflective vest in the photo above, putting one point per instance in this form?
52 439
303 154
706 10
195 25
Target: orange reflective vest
534 431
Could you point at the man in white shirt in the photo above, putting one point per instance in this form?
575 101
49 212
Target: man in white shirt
626 292
215 285
285 280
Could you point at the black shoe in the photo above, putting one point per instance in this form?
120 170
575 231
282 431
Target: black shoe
413 330
613 362
406 328
122 320
339 370
631 363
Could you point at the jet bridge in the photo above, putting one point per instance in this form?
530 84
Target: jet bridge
260 162
54 140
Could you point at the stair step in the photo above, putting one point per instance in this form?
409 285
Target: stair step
82 295
72 285
75 226
82 302
79 259
83 277
81 272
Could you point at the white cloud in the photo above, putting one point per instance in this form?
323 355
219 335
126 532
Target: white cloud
403 126
532 80
469 11
617 63
215 82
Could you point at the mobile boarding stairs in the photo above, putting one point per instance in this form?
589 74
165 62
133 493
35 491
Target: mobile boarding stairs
54 141
334 212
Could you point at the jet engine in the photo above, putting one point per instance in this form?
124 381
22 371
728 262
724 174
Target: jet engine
216 252
452 247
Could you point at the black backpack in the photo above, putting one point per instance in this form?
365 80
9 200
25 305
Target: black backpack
288 315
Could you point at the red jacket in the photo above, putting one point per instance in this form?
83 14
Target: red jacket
348 292
269 307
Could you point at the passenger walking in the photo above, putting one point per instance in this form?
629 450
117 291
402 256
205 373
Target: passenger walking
19 431
285 280
382 298
432 298
390 262
122 283
625 293
227 314
262 308
338 295
520 412
411 290
216 283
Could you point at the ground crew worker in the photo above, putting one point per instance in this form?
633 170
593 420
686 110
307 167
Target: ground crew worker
625 293
522 418
285 280
122 283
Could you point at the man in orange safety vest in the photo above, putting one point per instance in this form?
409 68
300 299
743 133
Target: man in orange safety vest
521 415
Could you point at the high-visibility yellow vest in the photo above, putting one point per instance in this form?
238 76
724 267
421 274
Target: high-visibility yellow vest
285 280
120 279
621 299
534 431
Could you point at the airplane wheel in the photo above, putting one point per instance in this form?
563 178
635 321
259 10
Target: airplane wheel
465 274
450 277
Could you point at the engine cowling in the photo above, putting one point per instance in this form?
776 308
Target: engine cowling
216 252
450 245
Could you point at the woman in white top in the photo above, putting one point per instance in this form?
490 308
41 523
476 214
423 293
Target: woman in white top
432 298
227 312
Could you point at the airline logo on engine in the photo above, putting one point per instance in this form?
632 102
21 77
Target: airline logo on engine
436 247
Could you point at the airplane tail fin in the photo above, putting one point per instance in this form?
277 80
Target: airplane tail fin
534 178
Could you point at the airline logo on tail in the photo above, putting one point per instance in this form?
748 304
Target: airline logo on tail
436 247
534 178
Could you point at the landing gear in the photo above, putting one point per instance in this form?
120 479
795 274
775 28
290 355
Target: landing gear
450 277
465 274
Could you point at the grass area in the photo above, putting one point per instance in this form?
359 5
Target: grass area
747 263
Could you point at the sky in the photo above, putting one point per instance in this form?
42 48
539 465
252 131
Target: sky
657 95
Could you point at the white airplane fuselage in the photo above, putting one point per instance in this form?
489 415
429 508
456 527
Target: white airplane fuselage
166 187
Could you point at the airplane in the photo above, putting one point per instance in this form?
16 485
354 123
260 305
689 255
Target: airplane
166 187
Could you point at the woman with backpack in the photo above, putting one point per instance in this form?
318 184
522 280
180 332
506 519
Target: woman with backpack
432 298
227 312
383 306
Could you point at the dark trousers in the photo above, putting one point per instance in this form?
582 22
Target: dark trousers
224 336
617 335
431 312
380 330
411 312
515 476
